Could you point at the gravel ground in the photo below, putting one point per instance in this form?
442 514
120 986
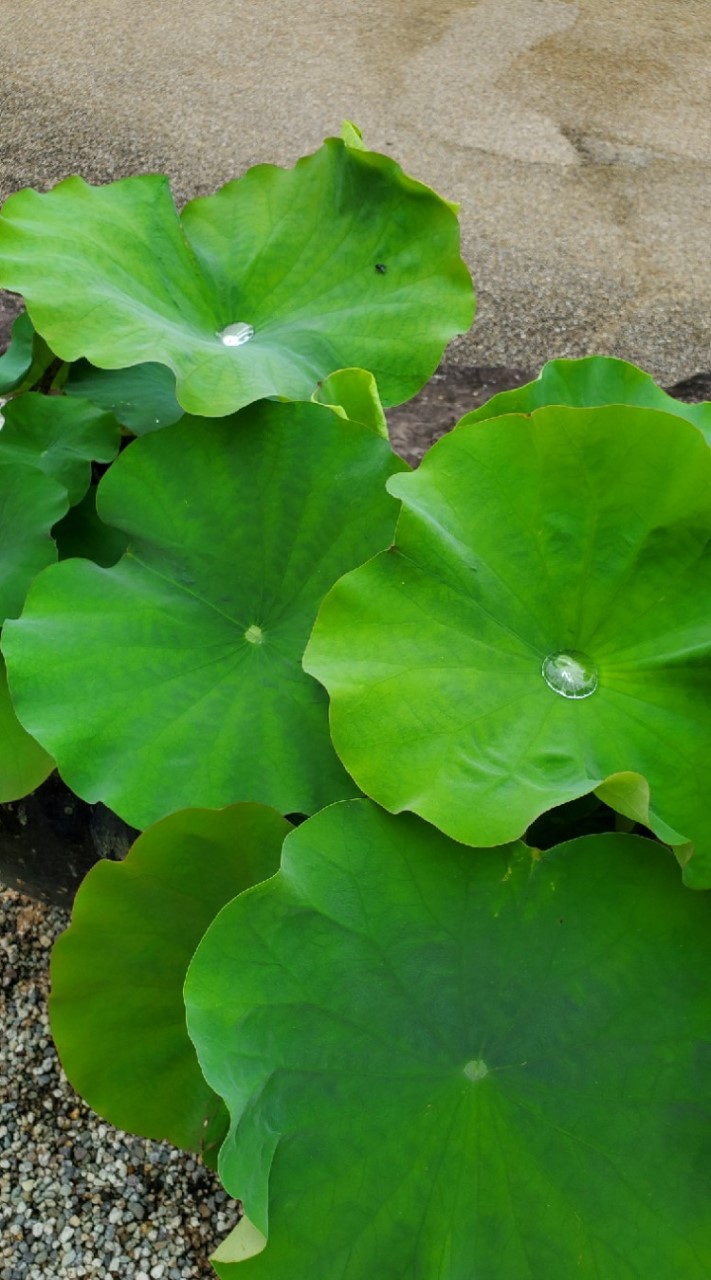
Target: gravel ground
77 1197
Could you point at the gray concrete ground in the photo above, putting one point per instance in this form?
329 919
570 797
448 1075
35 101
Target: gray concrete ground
577 136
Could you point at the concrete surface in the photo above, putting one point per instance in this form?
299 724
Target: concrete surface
577 136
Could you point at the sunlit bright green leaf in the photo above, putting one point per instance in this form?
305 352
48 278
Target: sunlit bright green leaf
589 383
570 547
175 677
260 290
355 393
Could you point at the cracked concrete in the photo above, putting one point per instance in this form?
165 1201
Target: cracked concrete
576 135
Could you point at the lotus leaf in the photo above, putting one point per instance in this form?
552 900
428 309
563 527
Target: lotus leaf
447 1063
59 436
260 290
354 392
541 624
116 1007
24 764
141 398
15 363
175 677
589 383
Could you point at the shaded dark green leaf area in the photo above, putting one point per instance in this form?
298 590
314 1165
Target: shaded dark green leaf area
447 1063
590 383
526 542
175 677
60 437
141 398
113 274
16 361
81 533
117 1011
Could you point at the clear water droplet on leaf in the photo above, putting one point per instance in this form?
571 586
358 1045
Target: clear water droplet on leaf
476 1069
235 335
571 673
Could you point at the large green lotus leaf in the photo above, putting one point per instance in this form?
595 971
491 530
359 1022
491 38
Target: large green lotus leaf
141 398
574 542
442 1063
260 290
589 383
116 1007
175 678
59 436
23 762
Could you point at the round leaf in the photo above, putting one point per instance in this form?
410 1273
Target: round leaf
446 1063
260 290
541 623
175 677
588 383
116 1007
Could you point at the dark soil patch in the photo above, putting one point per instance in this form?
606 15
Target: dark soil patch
452 392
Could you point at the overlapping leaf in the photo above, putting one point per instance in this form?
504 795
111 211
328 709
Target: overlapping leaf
441 1062
354 393
341 261
174 678
589 383
24 764
16 361
572 532
141 398
60 437
117 973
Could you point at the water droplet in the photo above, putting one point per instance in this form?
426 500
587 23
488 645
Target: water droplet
254 635
235 335
570 673
476 1069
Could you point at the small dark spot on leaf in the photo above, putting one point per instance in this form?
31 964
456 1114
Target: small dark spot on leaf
381 268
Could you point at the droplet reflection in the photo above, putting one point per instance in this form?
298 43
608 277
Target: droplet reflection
235 335
571 673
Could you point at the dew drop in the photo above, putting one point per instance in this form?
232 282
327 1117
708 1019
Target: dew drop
254 635
570 673
476 1069
235 335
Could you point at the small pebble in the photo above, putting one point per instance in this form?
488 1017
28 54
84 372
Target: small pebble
80 1200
